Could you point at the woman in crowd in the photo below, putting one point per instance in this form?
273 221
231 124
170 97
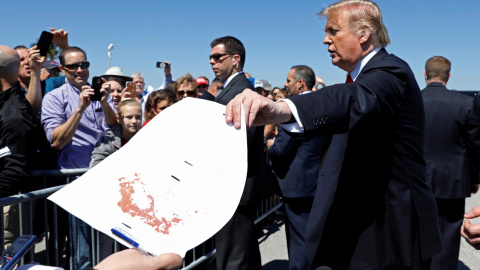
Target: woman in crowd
115 84
157 102
279 93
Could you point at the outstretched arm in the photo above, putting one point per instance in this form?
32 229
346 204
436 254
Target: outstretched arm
259 110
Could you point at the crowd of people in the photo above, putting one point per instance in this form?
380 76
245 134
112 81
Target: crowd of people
376 149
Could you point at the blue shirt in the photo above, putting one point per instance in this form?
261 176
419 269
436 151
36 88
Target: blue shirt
49 84
57 107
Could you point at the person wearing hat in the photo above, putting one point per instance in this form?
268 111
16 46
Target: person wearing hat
116 73
202 85
50 69
115 84
213 90
264 88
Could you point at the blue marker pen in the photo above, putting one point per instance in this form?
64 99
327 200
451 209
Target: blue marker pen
118 232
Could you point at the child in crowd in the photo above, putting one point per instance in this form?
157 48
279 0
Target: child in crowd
129 118
158 101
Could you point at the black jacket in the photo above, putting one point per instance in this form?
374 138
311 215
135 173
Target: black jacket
452 141
21 132
256 157
373 207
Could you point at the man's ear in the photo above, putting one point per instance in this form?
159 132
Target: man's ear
236 59
364 35
301 85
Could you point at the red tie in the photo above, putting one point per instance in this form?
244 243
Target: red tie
349 78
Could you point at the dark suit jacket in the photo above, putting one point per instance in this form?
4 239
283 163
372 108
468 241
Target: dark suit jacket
372 203
452 141
296 163
256 156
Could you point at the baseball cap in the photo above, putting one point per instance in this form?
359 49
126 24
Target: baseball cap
50 65
201 80
263 84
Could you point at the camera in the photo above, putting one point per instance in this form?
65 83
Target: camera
161 65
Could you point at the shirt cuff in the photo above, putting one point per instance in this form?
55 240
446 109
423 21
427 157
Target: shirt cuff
295 127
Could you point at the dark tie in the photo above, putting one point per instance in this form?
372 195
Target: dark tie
349 78
220 90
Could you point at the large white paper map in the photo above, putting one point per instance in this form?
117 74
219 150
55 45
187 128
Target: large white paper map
172 186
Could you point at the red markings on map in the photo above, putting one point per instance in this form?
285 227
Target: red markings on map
129 205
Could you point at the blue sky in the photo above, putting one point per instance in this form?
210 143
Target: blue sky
276 34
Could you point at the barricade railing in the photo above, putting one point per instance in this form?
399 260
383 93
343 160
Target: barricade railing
48 253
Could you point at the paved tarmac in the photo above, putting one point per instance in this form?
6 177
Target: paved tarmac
273 245
274 251
470 257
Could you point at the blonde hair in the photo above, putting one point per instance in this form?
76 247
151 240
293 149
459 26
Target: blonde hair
362 14
127 102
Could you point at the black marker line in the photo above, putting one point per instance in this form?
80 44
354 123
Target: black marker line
175 178
188 163
126 225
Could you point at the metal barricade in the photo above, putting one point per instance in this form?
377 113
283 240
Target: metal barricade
48 252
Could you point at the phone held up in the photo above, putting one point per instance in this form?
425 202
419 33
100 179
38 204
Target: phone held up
44 42
162 65
131 89
96 85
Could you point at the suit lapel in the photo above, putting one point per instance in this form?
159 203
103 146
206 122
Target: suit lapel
229 86
222 93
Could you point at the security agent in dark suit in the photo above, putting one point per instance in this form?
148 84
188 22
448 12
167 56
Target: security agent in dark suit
296 164
236 243
452 154
373 208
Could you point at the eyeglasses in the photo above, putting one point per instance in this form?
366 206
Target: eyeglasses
217 56
83 65
189 93
276 93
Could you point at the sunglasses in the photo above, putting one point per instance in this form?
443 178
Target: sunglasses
276 93
189 93
217 56
83 65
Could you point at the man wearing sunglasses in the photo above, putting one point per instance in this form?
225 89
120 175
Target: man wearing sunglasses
73 123
236 243
202 85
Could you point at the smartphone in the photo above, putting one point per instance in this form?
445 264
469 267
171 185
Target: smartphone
131 89
44 42
96 85
13 254
161 65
